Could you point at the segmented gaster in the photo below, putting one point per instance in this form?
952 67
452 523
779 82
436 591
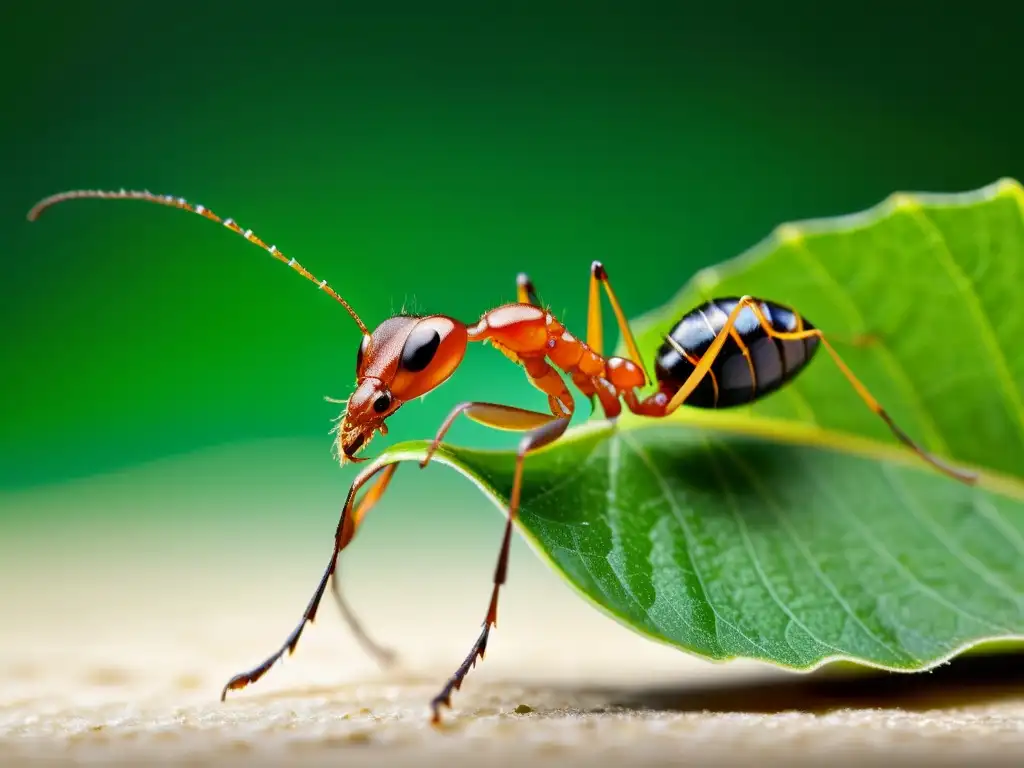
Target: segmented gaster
751 364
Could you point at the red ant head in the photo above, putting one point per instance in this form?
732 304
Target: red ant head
404 358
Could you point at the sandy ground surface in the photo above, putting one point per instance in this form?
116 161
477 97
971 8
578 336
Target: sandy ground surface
106 658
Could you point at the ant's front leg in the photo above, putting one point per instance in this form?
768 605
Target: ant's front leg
385 657
351 516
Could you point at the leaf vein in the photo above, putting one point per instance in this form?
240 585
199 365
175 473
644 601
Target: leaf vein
753 477
968 561
881 550
569 478
988 510
754 557
986 329
680 519
618 563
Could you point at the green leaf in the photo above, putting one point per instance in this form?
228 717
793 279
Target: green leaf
798 531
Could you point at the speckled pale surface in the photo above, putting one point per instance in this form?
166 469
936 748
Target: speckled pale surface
113 659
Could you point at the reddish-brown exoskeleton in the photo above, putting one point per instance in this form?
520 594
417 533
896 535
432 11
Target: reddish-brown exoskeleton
724 353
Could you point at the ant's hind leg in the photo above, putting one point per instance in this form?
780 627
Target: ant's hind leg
748 302
957 473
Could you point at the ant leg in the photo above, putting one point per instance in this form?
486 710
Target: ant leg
595 331
542 429
538 438
347 526
869 400
525 292
385 657
506 417
708 358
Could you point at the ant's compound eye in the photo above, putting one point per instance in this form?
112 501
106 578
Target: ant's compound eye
382 403
362 353
420 348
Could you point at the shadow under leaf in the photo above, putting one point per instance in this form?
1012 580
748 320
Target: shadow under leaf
968 680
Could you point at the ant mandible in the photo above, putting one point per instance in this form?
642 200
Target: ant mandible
724 353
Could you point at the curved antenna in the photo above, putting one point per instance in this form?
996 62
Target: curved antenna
179 202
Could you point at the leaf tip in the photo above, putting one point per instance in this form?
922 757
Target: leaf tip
1011 188
902 201
789 234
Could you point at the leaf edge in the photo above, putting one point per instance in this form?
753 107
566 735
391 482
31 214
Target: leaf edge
707 278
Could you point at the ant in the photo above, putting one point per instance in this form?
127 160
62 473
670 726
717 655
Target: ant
727 352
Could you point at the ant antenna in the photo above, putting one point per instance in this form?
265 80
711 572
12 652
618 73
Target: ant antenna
179 202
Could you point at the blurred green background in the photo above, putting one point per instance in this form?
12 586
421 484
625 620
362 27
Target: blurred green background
416 158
